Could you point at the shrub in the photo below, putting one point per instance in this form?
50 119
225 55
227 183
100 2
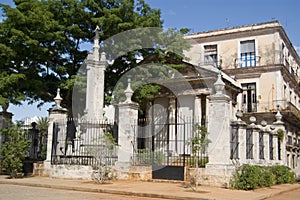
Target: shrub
14 150
283 174
249 177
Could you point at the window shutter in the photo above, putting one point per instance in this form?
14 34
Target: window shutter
248 46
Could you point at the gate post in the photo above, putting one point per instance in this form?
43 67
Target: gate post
127 119
55 114
219 168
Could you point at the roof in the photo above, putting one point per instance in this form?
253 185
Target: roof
235 29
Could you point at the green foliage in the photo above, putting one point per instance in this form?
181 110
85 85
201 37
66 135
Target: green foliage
283 174
14 149
249 177
280 133
41 42
200 141
191 161
144 157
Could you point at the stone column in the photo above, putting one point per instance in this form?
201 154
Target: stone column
197 110
219 125
127 132
255 145
57 113
95 67
242 143
278 124
220 166
266 147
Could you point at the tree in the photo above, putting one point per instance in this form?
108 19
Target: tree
14 149
41 41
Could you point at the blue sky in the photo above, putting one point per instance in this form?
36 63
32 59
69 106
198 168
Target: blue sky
205 15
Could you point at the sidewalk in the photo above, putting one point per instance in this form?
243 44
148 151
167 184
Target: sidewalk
161 190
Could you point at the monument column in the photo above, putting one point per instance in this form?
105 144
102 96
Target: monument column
95 67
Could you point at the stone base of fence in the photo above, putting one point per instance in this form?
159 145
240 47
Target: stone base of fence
211 175
71 172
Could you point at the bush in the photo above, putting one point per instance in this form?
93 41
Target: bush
283 174
14 150
249 177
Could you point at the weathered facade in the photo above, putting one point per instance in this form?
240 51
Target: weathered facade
262 59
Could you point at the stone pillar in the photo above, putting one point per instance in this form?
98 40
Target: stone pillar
57 113
127 132
266 146
242 143
219 125
220 167
255 145
95 67
197 110
275 146
278 124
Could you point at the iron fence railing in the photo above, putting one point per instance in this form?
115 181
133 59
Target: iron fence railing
83 143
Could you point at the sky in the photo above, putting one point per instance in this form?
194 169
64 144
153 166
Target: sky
205 15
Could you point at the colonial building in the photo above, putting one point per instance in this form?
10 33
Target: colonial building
262 59
241 83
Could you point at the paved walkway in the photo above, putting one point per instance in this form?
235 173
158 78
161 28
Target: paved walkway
161 190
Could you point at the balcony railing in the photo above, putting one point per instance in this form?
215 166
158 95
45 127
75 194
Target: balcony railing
248 61
215 63
272 106
265 60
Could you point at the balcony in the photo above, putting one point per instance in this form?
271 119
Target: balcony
252 61
272 106
215 63
265 62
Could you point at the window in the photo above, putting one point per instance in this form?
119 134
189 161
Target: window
249 97
249 144
247 57
234 143
261 145
210 54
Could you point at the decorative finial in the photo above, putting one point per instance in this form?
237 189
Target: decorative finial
96 38
219 85
278 117
103 57
58 99
128 92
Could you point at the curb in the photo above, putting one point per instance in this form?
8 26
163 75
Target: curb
107 191
265 196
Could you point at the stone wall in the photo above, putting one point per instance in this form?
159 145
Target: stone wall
71 172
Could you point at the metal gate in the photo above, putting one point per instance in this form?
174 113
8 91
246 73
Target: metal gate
166 147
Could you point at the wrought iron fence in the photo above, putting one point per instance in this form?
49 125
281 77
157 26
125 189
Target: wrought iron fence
167 144
78 142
